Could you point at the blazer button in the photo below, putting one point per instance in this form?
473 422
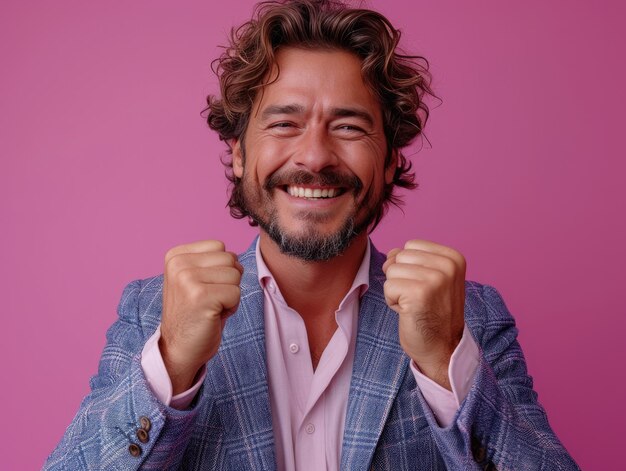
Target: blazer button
145 423
480 454
478 450
142 435
134 449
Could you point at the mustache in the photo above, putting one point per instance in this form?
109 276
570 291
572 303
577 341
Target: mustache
324 178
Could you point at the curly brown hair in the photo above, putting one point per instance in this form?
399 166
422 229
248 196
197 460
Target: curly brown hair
399 81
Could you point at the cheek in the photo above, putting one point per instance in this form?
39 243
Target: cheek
367 162
268 159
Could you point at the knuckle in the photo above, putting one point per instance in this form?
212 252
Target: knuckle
218 245
236 291
185 276
393 252
407 256
411 243
171 253
235 275
175 268
438 277
219 259
232 259
456 256
449 266
195 293
462 261
174 263
232 295
392 271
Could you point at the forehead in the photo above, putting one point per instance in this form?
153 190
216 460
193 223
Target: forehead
316 78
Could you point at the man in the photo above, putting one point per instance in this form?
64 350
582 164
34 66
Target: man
312 350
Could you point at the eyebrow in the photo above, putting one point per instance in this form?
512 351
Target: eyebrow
274 110
353 113
295 108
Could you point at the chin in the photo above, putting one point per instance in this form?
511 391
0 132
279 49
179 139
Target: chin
313 245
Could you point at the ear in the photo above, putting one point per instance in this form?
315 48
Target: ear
390 171
237 158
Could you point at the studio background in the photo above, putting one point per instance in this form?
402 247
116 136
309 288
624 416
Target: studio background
105 163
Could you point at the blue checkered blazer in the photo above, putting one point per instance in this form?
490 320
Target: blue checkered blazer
388 425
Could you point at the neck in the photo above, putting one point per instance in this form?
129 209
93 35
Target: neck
313 286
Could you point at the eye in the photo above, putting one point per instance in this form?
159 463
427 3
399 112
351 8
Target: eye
349 130
283 128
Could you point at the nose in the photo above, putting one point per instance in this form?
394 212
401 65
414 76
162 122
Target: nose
316 151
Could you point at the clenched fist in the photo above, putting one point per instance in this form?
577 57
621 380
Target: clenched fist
426 287
200 290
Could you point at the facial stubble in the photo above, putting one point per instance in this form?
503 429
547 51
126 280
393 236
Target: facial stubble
310 244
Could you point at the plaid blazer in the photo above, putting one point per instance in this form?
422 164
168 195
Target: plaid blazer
122 426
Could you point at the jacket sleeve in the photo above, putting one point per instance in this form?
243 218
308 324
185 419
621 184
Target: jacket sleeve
500 425
121 424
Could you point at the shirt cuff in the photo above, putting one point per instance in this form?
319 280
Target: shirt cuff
159 381
462 369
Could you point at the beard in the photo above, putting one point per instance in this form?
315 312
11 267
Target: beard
313 247
310 245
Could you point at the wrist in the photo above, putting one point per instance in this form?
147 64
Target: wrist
435 366
181 373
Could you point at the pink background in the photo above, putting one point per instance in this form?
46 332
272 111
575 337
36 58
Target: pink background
105 163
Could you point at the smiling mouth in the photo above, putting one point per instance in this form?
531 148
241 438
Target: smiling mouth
313 193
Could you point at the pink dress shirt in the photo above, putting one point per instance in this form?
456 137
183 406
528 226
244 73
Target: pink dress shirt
309 407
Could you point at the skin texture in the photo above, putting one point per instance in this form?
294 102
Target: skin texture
317 117
200 290
426 287
301 125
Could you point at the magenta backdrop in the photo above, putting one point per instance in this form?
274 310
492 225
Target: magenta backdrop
106 163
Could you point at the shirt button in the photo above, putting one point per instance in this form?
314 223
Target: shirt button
310 428
293 348
272 287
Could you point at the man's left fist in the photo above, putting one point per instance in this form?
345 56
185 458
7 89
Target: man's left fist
426 287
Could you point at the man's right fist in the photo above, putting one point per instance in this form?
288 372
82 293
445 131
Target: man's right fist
200 290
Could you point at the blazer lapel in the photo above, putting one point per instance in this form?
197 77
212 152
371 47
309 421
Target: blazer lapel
239 387
239 379
380 365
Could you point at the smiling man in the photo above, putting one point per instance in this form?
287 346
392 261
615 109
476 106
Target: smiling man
315 174
312 350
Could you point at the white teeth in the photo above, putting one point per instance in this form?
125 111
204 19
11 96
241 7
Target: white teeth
301 192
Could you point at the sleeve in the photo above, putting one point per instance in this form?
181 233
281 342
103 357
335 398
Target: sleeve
463 365
159 380
500 424
121 424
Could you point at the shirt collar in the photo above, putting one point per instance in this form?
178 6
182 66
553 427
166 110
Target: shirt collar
361 280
